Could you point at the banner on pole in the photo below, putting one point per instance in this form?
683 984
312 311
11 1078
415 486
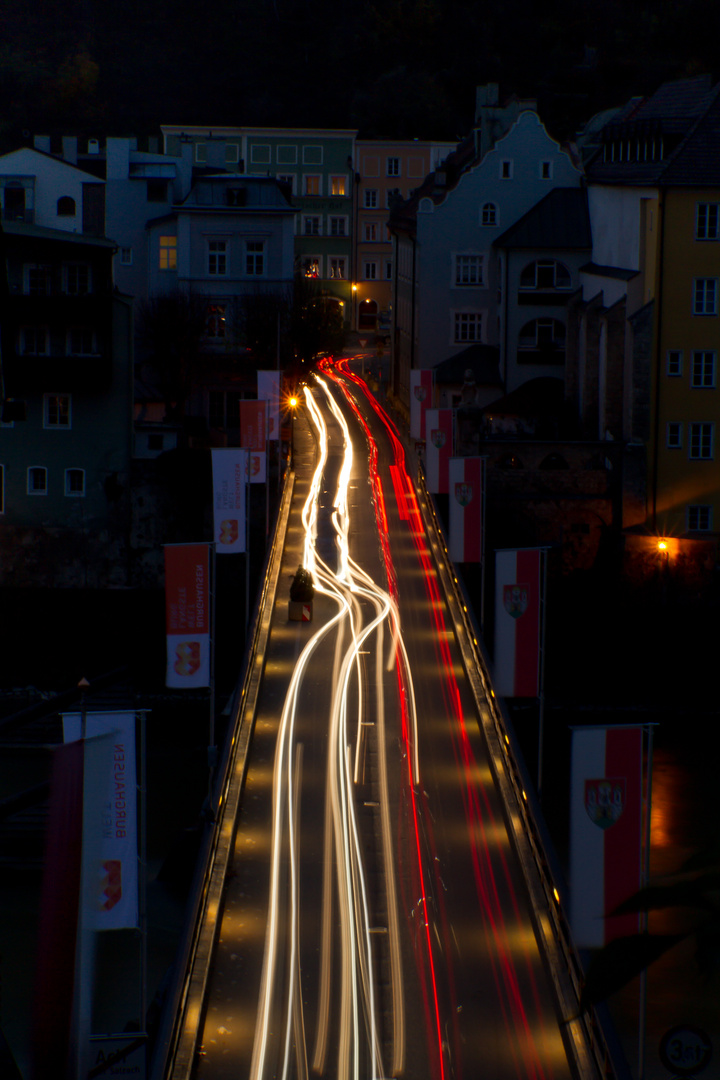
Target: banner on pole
253 424
438 449
257 466
268 389
465 541
605 831
110 813
229 478
518 597
421 385
187 615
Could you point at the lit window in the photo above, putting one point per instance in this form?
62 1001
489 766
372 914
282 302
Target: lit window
75 482
674 435
699 518
168 253
255 258
337 268
469 270
674 363
215 321
468 326
371 198
217 257
393 166
338 185
489 214
702 441
707 222
312 185
37 480
57 411
703 370
311 267
705 296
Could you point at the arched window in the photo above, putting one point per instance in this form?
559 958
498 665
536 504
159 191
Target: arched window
489 214
545 274
542 341
66 206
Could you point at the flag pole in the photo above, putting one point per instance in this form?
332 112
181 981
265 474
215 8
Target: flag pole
211 726
541 672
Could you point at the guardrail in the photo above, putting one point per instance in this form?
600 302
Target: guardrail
584 1034
176 1044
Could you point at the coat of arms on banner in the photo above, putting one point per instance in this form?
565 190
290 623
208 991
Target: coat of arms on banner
437 436
420 393
604 801
515 599
229 531
187 658
463 493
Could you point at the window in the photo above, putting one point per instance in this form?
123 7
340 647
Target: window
546 170
37 480
702 437
707 222
702 376
81 341
506 169
126 256
673 435
57 411
542 341
34 340
370 232
215 321
338 185
312 184
38 280
311 266
469 270
338 226
157 191
699 518
545 274
76 279
66 206
370 271
468 326
371 198
312 155
388 269
393 166
75 482
255 258
337 268
261 154
236 196
311 225
489 214
705 296
217 258
674 363
168 253
200 153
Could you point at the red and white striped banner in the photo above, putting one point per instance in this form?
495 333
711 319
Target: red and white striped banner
421 386
465 540
187 615
229 475
110 813
438 449
518 596
268 389
605 831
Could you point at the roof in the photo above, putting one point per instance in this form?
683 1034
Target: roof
482 360
41 232
255 193
559 220
608 271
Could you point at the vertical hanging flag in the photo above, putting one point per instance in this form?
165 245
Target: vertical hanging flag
256 466
112 813
605 831
229 478
187 615
466 509
268 389
438 449
518 598
253 426
421 383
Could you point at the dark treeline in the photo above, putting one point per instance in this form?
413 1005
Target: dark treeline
389 67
